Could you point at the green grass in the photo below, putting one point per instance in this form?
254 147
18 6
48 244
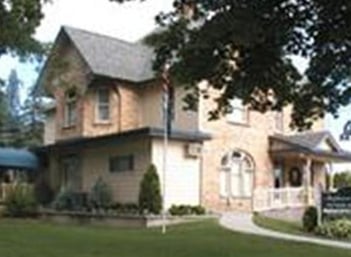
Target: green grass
289 227
34 239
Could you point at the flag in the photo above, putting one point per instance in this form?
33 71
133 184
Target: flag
168 101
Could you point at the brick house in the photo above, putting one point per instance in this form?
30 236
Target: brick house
107 122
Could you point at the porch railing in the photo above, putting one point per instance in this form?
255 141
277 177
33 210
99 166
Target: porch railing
5 188
279 198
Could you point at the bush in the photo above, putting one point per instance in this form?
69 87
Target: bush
20 202
340 229
125 208
181 210
67 200
342 179
43 193
310 219
150 200
100 196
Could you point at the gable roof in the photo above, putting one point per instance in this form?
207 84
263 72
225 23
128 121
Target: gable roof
310 140
309 143
112 57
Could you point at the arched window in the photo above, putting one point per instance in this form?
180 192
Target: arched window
236 175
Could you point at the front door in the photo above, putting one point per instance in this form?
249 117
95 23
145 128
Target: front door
71 173
278 176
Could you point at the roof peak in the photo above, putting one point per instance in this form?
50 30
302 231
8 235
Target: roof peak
98 34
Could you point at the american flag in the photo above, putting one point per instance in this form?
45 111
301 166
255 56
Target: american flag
168 101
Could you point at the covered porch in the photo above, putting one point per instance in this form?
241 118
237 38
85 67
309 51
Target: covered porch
17 166
300 167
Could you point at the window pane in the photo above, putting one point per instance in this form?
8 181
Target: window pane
103 104
236 179
104 113
121 163
246 183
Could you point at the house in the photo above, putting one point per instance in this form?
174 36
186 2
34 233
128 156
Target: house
107 122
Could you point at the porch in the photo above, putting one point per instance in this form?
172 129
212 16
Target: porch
300 167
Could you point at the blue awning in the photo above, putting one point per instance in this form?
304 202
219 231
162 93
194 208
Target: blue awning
18 159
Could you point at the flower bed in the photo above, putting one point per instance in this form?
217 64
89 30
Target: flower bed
114 219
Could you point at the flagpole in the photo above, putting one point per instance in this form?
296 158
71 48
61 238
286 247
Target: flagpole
165 152
165 148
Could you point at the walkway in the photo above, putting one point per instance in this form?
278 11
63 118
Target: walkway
242 222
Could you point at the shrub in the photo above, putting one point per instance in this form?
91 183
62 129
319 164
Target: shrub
67 200
125 208
43 193
150 200
20 202
181 210
342 179
340 229
198 210
310 219
63 200
100 196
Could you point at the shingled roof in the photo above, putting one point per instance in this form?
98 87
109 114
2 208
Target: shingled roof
309 140
112 57
310 143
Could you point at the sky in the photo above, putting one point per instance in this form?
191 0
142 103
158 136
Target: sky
130 21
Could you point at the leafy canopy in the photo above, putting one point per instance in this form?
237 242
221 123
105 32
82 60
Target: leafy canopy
18 21
244 48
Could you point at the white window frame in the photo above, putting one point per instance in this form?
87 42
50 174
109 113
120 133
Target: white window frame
238 108
99 104
70 109
231 181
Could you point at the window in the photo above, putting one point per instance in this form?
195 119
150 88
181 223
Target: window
279 121
238 112
70 112
121 163
236 175
103 104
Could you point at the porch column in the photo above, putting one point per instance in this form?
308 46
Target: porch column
307 180
330 177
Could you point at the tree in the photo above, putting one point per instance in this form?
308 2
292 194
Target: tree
32 119
245 48
18 21
13 94
150 199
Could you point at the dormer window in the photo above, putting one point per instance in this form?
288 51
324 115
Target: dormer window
103 105
238 112
70 112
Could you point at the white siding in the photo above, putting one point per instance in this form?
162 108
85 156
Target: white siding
182 176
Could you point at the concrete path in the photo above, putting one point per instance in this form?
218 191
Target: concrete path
242 222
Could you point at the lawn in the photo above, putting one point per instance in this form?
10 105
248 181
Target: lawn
33 239
289 227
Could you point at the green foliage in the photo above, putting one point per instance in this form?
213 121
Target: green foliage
125 208
342 179
20 202
310 219
245 49
67 200
100 196
181 210
18 22
150 200
340 229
